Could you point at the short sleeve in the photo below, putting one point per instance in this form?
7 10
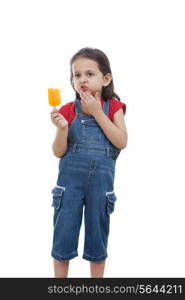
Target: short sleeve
115 105
65 111
123 105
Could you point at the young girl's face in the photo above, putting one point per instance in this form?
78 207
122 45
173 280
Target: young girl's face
88 77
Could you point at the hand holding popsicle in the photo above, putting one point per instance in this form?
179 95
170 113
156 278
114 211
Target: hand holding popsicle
58 119
55 100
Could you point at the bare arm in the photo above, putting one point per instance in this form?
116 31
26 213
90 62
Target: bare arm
115 131
59 145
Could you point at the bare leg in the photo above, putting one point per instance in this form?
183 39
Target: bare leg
61 268
97 269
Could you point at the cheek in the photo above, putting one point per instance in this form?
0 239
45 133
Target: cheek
75 83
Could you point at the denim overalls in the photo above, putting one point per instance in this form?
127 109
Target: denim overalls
85 180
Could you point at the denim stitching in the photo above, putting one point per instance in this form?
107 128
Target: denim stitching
61 187
94 256
63 256
109 193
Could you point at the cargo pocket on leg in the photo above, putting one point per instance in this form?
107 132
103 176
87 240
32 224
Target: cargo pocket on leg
111 198
57 197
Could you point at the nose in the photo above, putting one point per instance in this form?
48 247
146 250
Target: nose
83 79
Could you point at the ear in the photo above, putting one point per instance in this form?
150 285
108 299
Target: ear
107 79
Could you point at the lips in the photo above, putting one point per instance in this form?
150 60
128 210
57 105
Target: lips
84 88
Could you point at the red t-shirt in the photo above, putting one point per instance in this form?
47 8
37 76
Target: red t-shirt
68 109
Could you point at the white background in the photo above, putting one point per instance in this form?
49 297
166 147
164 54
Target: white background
144 41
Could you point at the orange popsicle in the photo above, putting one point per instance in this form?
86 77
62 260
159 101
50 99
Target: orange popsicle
54 97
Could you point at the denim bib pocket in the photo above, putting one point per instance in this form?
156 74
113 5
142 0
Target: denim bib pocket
90 129
110 202
57 196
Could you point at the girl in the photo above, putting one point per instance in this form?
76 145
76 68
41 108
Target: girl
91 132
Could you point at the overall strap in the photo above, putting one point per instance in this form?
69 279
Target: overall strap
106 106
77 106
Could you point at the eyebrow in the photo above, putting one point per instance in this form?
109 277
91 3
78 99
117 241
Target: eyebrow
86 71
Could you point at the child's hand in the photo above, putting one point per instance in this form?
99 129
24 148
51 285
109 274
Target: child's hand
90 104
58 119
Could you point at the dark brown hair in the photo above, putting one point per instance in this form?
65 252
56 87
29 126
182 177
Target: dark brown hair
104 66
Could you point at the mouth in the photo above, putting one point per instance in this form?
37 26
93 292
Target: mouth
84 88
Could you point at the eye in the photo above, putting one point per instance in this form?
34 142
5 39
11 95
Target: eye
78 75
